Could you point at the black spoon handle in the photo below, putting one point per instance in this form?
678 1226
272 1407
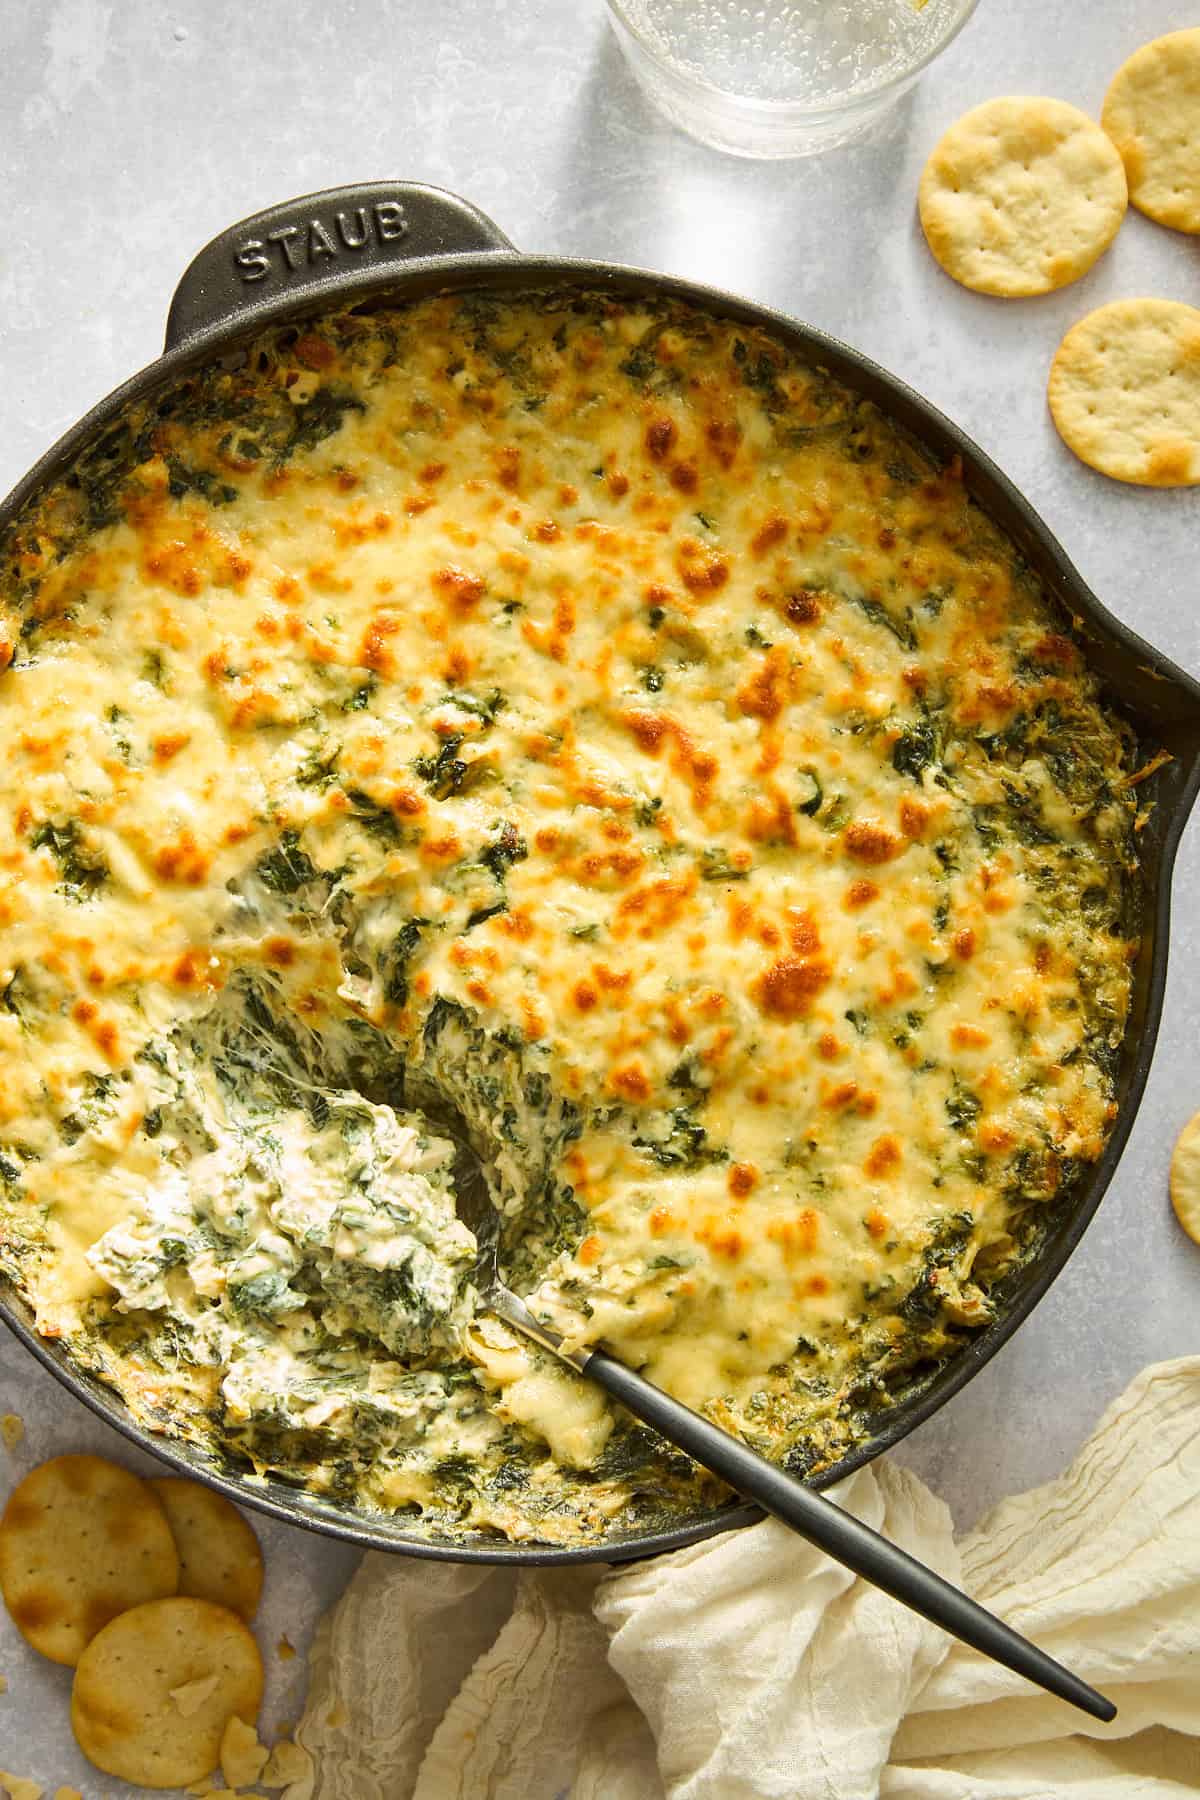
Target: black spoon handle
839 1534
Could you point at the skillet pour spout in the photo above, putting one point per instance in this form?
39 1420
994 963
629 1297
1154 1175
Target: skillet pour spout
382 242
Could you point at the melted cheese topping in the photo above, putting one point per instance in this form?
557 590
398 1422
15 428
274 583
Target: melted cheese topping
591 719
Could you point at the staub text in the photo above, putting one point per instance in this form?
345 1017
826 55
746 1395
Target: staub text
290 247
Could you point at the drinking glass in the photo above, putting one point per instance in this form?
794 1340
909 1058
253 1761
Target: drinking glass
773 78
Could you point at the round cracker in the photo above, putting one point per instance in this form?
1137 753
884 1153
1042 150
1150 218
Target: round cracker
1021 196
1152 114
81 1540
219 1555
124 1708
1124 391
1185 1178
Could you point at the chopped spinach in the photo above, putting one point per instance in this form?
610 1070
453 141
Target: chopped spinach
811 802
505 850
286 868
877 612
962 1107
481 914
317 419
360 699
446 773
376 819
683 1144
480 706
317 771
760 372
641 365
403 949
716 866
266 1296
182 480
84 871
915 749
949 1238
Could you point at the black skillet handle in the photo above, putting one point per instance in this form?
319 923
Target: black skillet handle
312 241
838 1533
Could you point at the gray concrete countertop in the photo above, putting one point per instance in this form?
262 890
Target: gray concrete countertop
130 134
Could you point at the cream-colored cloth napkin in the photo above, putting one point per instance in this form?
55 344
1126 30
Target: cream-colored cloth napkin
753 1668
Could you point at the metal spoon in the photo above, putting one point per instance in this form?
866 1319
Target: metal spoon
808 1512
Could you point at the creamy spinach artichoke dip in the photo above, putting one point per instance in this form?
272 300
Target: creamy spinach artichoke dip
581 723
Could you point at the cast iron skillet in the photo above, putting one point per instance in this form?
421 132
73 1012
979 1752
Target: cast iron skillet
401 240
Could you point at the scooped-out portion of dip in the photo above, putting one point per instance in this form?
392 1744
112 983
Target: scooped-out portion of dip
578 724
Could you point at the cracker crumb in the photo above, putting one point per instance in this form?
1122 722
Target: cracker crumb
18 1787
242 1756
65 1793
288 1763
285 1649
191 1696
12 1429
3 1684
